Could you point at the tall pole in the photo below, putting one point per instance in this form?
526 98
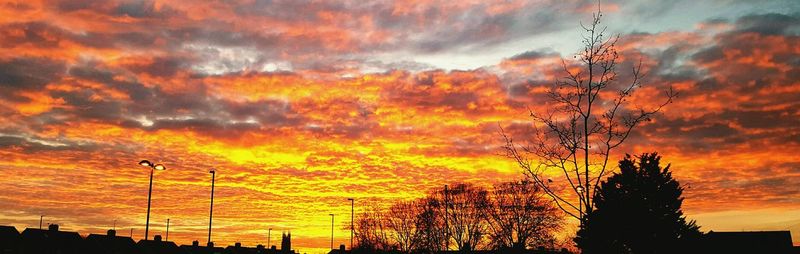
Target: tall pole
269 238
149 195
446 227
352 213
41 218
331 231
153 168
211 212
167 230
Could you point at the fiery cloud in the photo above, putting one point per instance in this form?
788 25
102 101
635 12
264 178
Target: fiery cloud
301 105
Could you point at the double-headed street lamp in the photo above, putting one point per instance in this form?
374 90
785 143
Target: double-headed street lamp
153 167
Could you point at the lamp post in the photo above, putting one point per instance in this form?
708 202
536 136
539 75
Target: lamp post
167 230
269 238
41 218
352 212
331 230
153 167
211 211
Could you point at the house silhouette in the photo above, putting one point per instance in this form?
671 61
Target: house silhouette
157 246
50 241
762 242
9 239
110 243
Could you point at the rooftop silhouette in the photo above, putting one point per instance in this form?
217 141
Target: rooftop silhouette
55 241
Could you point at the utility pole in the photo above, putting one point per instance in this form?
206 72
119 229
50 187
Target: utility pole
41 218
167 230
352 213
331 230
211 210
269 238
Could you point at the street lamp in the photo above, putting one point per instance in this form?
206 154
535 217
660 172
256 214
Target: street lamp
331 230
153 167
269 238
352 201
211 211
167 239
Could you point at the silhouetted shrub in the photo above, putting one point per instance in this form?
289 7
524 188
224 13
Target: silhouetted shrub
638 211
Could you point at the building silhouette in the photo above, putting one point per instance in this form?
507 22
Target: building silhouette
158 246
9 239
286 243
54 241
763 242
50 241
110 243
195 248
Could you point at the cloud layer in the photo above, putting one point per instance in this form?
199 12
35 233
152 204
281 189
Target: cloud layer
298 107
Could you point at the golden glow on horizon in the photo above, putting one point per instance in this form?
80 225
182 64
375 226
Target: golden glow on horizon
86 94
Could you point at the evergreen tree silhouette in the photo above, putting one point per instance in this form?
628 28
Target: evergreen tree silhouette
638 211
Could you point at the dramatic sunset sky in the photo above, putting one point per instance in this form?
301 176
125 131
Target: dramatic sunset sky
300 105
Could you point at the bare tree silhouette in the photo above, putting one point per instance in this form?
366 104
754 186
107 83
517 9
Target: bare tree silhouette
467 207
522 216
371 232
590 116
431 233
513 214
402 221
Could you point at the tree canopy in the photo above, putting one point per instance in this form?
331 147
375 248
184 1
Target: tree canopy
638 210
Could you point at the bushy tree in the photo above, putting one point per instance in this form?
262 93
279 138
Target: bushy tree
638 210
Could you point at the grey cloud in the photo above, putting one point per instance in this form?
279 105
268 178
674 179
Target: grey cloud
535 54
45 35
142 9
27 74
770 24
33 145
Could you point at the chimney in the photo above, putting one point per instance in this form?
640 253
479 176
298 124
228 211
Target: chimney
195 243
238 245
341 247
53 227
157 238
111 233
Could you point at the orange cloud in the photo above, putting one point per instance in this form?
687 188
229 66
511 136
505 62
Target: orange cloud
88 89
